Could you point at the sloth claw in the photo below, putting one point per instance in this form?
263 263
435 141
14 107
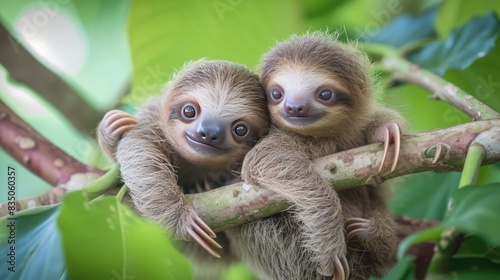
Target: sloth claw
341 268
388 133
355 226
203 235
118 122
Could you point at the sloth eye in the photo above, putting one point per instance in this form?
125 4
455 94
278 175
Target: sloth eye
276 94
325 95
188 111
240 130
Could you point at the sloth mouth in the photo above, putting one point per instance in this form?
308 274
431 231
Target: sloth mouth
205 149
301 120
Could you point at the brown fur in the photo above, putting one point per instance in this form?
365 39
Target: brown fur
159 166
299 243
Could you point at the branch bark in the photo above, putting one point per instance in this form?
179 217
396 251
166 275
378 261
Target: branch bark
43 159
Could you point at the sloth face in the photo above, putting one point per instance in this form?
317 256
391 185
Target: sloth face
214 112
306 102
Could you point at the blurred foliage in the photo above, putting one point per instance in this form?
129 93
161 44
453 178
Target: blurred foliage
470 42
453 14
164 35
473 210
226 30
120 244
37 242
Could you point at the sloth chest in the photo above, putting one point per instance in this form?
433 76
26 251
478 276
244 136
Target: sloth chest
198 179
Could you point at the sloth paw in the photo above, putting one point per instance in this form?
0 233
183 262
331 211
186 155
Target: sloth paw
199 231
387 133
117 122
340 269
357 227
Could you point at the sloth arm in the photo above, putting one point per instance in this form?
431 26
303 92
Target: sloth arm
280 163
376 229
145 161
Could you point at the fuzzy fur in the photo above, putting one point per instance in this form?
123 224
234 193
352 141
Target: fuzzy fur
304 240
158 166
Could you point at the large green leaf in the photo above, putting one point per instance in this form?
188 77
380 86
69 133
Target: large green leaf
474 247
37 247
424 195
106 240
464 46
481 79
473 269
164 35
476 210
455 13
409 28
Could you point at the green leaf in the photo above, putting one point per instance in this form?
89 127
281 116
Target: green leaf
431 234
106 240
475 247
424 195
402 271
481 79
464 46
473 269
409 28
455 13
164 35
476 210
37 247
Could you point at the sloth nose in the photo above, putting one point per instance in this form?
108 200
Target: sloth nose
210 132
296 109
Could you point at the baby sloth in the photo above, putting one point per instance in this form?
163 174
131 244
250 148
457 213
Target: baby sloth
190 139
320 98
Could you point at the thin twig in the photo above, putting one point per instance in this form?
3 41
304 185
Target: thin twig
403 70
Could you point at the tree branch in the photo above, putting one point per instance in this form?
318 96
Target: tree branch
16 59
43 159
438 150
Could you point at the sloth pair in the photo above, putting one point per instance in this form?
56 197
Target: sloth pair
319 95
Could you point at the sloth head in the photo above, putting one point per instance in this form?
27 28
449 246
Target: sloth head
316 85
214 112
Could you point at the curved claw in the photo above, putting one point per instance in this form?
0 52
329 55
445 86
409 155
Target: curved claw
396 136
349 221
386 147
341 269
202 243
391 133
355 226
122 121
205 227
203 235
120 131
118 122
